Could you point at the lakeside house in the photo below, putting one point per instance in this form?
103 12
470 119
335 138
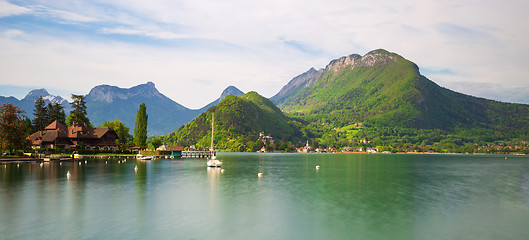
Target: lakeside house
163 147
56 135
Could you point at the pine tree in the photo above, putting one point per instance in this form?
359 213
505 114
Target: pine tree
41 115
140 127
28 127
78 114
56 112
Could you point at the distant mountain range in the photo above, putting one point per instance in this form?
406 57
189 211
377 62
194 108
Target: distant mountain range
28 102
380 99
107 103
380 89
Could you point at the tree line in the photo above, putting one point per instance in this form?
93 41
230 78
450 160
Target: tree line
15 126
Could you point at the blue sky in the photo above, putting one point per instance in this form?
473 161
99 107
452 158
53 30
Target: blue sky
192 50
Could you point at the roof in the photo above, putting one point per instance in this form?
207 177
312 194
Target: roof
56 132
46 136
177 148
100 131
56 125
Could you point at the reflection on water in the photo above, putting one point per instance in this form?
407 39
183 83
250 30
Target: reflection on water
356 196
213 174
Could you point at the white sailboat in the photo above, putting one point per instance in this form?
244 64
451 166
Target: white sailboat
213 161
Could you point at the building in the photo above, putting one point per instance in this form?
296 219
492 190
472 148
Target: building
264 138
306 149
56 135
162 147
176 151
372 150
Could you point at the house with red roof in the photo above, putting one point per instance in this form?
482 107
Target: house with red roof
56 135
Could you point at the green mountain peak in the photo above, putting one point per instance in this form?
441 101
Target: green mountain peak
238 120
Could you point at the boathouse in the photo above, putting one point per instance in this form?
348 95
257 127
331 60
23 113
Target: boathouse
176 151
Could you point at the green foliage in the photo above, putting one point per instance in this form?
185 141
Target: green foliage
28 127
387 104
238 122
124 137
391 97
140 127
156 142
40 121
78 114
12 130
55 112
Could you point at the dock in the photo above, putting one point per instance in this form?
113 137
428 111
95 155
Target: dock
196 154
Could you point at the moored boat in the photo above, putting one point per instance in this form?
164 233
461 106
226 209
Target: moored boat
213 161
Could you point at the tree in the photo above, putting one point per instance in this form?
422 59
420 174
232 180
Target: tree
56 112
41 115
156 142
78 114
12 130
28 127
140 127
121 130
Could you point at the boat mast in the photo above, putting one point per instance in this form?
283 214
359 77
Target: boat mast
212 129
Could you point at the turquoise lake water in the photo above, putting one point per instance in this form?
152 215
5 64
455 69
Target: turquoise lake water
351 196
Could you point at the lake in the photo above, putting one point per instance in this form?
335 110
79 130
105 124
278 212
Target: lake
351 196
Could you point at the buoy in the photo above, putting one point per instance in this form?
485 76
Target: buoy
41 164
106 162
260 174
60 164
317 166
85 162
222 170
79 163
68 174
18 164
505 157
119 161
136 168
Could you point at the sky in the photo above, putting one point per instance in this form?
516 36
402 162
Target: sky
193 49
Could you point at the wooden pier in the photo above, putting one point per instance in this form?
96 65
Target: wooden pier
196 154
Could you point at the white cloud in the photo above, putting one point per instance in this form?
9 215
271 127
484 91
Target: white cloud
261 45
158 34
7 9
68 16
12 33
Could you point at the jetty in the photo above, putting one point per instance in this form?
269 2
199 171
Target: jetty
196 154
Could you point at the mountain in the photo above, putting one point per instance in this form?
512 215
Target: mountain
231 90
107 103
238 122
297 85
384 89
28 102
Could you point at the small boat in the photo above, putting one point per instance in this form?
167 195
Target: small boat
141 157
77 156
213 161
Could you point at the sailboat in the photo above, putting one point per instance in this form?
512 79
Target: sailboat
213 161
